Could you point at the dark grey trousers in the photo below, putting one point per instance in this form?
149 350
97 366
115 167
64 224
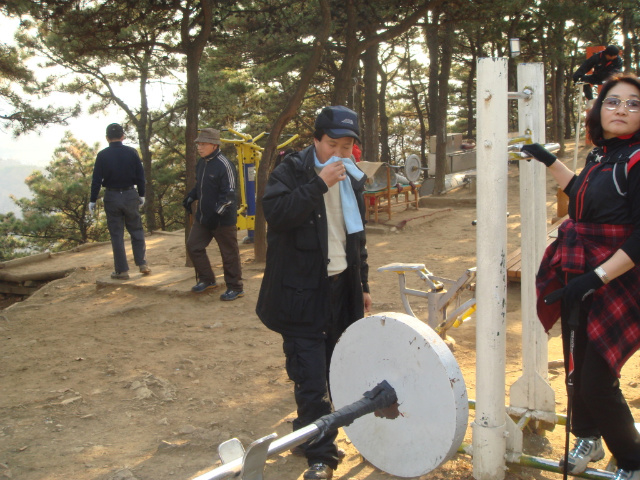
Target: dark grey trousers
122 209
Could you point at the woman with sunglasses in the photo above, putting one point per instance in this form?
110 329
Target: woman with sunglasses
594 263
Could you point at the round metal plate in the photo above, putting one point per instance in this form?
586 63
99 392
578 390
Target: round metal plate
432 395
412 168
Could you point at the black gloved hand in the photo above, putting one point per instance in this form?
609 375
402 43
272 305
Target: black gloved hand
577 78
581 287
540 153
186 203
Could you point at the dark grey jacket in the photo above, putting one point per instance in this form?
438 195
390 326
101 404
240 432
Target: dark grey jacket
294 294
215 190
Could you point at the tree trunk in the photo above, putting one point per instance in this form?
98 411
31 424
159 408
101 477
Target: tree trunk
627 18
470 88
385 152
442 107
417 105
193 50
431 34
561 75
354 48
260 239
344 78
371 125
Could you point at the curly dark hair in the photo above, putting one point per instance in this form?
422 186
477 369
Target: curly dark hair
594 123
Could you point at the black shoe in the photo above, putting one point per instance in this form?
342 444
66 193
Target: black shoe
231 295
202 286
120 275
318 471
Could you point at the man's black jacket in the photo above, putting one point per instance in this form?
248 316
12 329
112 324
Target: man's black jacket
294 295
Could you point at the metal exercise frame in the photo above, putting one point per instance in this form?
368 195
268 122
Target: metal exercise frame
440 293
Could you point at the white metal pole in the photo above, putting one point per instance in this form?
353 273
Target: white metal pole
531 390
489 443
574 163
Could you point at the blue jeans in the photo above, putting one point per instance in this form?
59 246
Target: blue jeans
122 209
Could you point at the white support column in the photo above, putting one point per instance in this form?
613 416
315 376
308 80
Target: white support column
489 443
532 390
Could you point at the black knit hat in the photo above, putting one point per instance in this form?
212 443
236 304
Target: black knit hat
611 50
115 130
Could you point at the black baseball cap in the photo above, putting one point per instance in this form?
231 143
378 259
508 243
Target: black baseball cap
115 130
338 122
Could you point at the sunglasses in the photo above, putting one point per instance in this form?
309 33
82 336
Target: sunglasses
612 103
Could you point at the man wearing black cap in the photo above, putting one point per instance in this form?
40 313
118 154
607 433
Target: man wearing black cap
215 217
315 281
118 168
604 64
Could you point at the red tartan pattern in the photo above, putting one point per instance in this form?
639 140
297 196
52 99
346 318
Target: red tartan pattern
613 324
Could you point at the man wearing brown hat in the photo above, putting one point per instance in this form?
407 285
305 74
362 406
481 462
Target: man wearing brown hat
315 281
215 216
119 170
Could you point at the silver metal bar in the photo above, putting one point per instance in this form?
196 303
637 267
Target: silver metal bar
526 94
377 399
277 446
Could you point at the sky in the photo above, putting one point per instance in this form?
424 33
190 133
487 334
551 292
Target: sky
37 148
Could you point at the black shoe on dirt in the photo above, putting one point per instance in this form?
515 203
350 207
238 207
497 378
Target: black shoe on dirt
318 471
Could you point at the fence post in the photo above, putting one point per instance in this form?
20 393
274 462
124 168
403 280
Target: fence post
489 425
531 390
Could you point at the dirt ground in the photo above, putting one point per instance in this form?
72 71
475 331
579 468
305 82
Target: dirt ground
142 379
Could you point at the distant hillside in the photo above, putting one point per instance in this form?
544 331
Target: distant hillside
12 175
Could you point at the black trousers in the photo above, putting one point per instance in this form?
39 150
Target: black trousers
226 237
307 362
599 408
587 88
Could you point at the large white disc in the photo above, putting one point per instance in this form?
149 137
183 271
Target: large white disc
432 396
412 168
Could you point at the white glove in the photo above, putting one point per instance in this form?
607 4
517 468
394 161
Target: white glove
141 202
92 208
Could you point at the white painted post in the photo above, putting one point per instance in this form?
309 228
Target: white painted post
531 390
489 443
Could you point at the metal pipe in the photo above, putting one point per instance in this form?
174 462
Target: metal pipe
546 464
553 466
526 94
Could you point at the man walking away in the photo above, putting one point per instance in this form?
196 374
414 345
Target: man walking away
119 170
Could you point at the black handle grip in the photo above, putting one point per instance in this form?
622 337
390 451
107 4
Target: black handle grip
382 396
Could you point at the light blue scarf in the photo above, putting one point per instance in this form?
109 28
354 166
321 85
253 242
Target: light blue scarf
350 210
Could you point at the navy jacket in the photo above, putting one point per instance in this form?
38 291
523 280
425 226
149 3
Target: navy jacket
117 166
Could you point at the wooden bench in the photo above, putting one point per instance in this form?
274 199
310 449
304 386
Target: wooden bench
381 201
514 259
